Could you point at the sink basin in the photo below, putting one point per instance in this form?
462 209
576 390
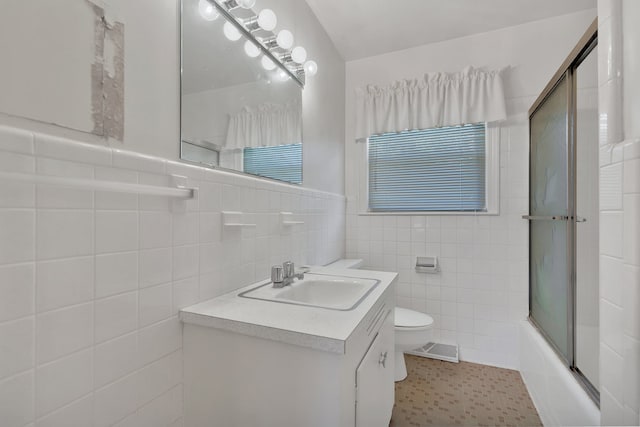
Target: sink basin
317 290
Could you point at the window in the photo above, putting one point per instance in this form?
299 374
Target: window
432 170
281 162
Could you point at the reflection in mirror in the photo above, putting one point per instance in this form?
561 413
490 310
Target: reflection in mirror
237 113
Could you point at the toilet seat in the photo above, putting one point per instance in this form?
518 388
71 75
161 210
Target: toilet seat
406 319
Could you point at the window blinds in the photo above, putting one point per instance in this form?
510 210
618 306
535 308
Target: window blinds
439 169
281 162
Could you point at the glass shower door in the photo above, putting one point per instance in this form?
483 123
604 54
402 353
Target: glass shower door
551 238
563 213
587 318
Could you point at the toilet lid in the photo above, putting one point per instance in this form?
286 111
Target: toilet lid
411 319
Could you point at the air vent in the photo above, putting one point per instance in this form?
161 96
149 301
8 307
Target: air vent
446 352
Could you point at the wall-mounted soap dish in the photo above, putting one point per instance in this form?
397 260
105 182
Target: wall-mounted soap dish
286 219
234 219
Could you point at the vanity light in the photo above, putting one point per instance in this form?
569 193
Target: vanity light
246 4
267 63
269 42
299 54
267 19
285 39
283 76
251 49
311 68
231 32
207 10
275 48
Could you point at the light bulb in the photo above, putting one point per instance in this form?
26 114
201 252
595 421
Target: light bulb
246 4
267 19
207 10
231 32
285 39
283 76
251 49
299 54
267 63
310 67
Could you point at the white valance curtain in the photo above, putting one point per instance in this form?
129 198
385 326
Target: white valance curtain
265 125
436 100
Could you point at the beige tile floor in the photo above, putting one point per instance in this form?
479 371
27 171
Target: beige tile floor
438 393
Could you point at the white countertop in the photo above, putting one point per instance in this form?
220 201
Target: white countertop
318 328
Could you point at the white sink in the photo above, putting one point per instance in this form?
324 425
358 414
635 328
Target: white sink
317 290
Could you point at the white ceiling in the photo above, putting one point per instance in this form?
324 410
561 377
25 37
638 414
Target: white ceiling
362 28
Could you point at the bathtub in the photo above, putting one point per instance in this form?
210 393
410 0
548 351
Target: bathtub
557 395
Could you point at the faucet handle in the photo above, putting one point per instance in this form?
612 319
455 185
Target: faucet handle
289 269
277 274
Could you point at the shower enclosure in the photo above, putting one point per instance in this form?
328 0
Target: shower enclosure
563 214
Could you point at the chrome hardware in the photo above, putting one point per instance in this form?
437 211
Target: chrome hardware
546 218
277 275
288 269
383 359
554 218
285 275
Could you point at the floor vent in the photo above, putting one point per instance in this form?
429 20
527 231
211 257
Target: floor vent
446 352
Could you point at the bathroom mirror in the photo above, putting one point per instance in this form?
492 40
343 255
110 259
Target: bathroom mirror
236 114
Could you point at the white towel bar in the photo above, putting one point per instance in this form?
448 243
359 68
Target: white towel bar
90 184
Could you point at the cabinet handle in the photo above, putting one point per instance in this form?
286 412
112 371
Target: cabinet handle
383 359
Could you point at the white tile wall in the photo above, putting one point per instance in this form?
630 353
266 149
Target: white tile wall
91 282
481 292
17 339
620 291
620 257
64 331
17 399
64 282
17 291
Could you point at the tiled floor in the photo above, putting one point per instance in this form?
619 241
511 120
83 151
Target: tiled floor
439 393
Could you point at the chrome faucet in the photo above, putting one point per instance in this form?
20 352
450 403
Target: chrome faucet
283 275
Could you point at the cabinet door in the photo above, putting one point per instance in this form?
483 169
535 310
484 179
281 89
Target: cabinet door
375 388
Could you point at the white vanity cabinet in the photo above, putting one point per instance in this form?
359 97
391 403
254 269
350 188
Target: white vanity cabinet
375 380
258 378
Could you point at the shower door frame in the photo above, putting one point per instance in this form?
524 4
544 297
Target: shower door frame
587 44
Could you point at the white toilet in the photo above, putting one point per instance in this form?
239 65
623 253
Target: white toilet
412 328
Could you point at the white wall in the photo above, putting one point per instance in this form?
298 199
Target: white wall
619 91
60 105
323 108
37 81
481 293
91 282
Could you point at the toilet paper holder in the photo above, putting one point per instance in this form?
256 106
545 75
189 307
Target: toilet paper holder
427 264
